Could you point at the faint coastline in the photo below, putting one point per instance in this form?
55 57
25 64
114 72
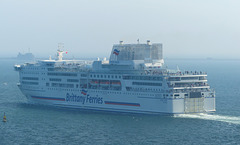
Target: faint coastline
94 58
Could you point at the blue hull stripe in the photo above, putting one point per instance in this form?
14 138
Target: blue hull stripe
48 98
122 103
114 110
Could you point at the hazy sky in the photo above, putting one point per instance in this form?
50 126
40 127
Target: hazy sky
89 28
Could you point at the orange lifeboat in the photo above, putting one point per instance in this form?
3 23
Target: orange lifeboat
116 84
105 83
94 82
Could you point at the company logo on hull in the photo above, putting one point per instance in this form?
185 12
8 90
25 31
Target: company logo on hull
84 92
83 99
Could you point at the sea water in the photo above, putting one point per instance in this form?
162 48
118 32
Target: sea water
36 124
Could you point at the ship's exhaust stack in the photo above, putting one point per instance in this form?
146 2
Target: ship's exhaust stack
148 42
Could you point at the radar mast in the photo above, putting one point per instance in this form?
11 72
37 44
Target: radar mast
60 51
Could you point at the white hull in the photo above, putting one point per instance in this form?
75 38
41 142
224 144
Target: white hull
134 80
115 102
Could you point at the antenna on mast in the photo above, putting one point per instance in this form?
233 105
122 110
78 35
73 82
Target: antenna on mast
178 68
60 46
60 51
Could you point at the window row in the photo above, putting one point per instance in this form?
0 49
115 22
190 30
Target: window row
55 79
105 76
153 78
147 84
29 83
30 78
62 74
62 85
72 80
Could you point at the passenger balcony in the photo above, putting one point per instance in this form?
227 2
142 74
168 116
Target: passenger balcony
189 86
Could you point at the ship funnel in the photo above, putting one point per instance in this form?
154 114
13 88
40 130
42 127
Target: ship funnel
148 42
121 42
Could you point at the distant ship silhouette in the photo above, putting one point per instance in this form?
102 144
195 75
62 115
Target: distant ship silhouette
25 56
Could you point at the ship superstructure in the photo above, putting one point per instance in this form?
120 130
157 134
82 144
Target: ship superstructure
133 80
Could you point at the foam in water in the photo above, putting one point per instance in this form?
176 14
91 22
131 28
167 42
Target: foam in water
228 119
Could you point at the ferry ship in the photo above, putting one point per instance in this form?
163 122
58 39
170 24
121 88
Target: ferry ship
25 56
133 80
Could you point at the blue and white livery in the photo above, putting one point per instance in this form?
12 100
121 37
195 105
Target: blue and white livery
133 80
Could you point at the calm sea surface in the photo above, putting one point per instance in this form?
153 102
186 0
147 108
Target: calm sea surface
33 124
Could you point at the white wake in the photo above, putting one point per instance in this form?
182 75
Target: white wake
228 119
